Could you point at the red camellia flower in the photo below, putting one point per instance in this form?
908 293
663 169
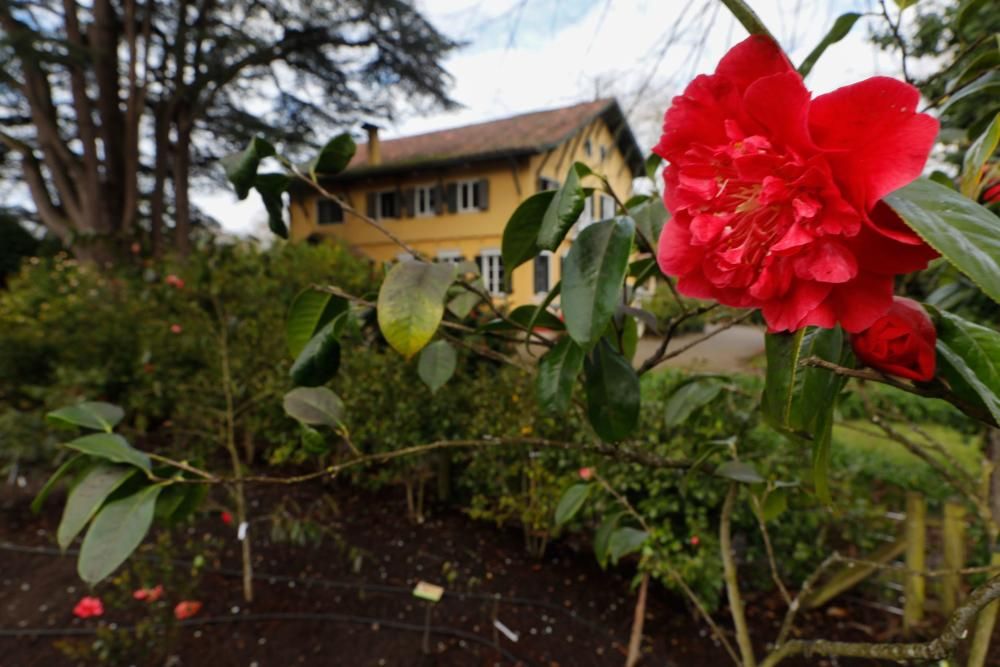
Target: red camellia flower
586 473
174 281
149 594
186 609
775 197
695 540
227 518
901 342
87 607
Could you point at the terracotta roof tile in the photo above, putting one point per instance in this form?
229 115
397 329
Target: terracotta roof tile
529 132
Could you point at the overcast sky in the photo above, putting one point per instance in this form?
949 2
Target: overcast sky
525 55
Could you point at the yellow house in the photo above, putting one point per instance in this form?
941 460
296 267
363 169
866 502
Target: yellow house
449 194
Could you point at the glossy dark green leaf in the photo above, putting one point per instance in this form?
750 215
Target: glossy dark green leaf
183 501
334 157
411 304
319 360
558 370
964 232
612 393
988 85
570 503
747 17
653 163
94 415
593 275
241 168
72 465
783 352
316 406
976 67
86 498
841 27
111 447
981 150
969 359
623 334
525 316
688 397
650 217
739 471
271 187
310 311
602 537
624 541
314 442
967 12
520 236
564 209
437 364
115 533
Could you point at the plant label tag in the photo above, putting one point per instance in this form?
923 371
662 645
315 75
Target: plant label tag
507 632
428 591
241 532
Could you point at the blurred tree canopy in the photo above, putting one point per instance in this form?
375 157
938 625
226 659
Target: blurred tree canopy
105 104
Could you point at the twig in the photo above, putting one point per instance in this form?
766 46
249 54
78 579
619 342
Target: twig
804 592
732 579
661 351
772 562
900 42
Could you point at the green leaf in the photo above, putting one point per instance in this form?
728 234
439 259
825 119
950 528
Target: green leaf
115 533
271 187
593 276
650 217
334 157
520 236
746 16
93 415
564 209
612 393
841 27
688 397
557 373
241 168
738 471
411 304
526 316
967 11
437 364
311 311
462 300
602 537
653 163
969 359
66 468
774 504
317 406
979 152
182 502
320 358
905 4
313 441
112 447
624 541
783 351
87 497
965 233
983 62
571 502
623 334
988 83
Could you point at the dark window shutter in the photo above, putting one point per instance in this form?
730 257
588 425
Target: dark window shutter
542 273
484 194
370 205
451 194
439 199
408 204
478 259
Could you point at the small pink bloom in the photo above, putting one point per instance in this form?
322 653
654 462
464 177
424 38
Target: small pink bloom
695 540
176 328
586 473
87 607
136 248
175 281
186 609
227 518
149 594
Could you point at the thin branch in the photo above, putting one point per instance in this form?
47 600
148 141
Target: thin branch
758 513
900 42
804 592
731 578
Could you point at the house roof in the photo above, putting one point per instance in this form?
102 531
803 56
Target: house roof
524 134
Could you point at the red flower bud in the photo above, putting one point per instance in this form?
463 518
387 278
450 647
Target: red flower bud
186 609
87 607
695 540
227 518
586 474
901 342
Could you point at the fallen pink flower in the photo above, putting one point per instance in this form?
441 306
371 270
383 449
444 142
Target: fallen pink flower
87 607
186 609
149 594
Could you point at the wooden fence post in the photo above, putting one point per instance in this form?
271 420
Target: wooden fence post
914 588
953 538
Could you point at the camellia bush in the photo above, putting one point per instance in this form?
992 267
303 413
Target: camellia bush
806 209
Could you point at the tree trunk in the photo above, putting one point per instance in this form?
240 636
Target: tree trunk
156 199
182 168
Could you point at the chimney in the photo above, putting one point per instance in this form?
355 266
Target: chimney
374 146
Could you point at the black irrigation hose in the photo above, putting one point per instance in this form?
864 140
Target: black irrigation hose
288 616
348 585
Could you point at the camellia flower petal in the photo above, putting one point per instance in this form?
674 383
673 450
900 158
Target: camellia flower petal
901 342
186 609
88 607
775 197
149 594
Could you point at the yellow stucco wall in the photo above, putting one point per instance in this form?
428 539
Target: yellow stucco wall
469 233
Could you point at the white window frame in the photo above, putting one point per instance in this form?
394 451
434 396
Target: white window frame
606 202
546 181
378 205
473 189
490 262
425 208
587 217
452 256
